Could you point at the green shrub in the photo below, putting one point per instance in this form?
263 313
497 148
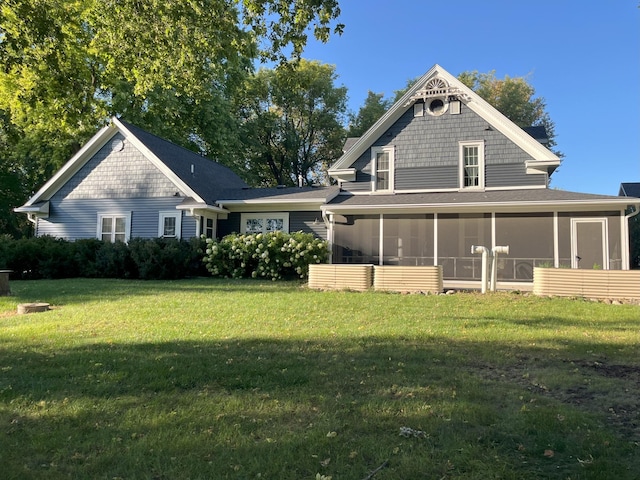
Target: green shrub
49 257
274 255
160 258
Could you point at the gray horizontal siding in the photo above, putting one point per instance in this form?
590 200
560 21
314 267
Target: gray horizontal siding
229 225
512 175
427 177
308 222
356 186
76 219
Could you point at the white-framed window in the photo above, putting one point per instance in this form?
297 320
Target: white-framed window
382 161
114 227
264 222
208 227
170 224
472 165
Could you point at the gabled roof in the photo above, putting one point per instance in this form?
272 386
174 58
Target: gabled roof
472 100
195 176
630 189
205 177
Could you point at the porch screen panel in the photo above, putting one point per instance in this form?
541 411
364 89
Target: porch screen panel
564 240
408 239
456 234
356 239
615 242
530 240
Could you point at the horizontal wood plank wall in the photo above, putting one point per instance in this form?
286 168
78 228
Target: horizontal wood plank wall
408 278
565 282
340 277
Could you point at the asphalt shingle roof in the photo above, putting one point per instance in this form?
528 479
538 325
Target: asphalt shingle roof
209 178
631 189
494 196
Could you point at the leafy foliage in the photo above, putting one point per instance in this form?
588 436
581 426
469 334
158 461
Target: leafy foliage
373 108
48 257
291 124
275 255
173 68
514 97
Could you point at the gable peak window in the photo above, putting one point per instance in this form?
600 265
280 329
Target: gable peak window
382 164
472 165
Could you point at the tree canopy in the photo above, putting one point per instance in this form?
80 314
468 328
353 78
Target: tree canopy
292 120
375 105
514 97
172 67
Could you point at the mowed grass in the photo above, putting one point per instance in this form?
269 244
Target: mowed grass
213 379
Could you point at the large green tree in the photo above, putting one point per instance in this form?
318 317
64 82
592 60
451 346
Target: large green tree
514 97
173 67
292 124
375 105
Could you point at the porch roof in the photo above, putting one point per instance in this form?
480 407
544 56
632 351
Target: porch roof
520 200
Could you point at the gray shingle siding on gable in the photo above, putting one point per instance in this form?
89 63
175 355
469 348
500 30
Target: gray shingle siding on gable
117 174
427 153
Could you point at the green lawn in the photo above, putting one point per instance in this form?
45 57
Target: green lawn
218 379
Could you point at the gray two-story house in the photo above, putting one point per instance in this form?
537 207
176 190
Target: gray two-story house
440 172
443 171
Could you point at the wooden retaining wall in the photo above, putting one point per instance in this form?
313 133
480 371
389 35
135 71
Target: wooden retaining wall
340 277
565 282
407 279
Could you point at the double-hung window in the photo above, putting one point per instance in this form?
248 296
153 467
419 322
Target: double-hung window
472 165
382 163
264 222
114 227
170 224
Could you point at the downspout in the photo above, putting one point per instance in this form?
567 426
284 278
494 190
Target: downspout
485 264
626 229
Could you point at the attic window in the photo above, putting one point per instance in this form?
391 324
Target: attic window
437 106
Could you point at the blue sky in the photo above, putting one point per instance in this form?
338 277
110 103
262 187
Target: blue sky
583 58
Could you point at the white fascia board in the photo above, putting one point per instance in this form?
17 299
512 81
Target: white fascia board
344 174
541 166
502 207
202 207
70 168
266 206
182 186
41 209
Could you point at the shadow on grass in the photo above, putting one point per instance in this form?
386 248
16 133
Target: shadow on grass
81 290
293 409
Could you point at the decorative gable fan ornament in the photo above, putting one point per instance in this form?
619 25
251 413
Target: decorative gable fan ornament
436 95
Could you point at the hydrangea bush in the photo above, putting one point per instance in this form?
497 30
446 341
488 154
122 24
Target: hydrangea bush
274 255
